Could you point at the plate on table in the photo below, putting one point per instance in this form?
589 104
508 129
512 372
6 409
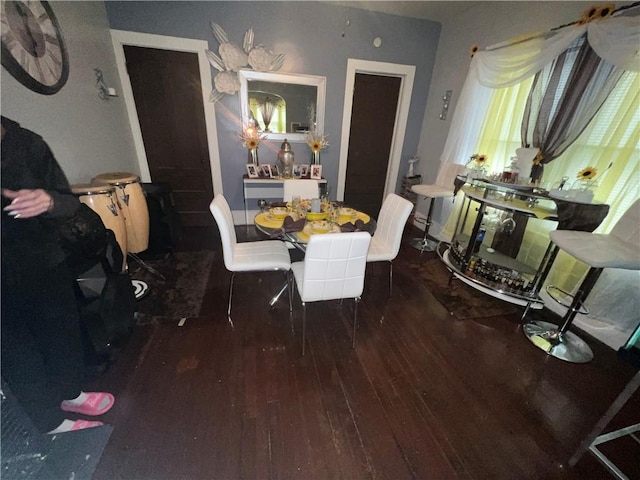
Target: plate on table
357 216
320 226
346 212
278 212
268 221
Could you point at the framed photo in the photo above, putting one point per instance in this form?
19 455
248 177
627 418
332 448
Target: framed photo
252 170
316 172
274 171
304 171
265 171
297 170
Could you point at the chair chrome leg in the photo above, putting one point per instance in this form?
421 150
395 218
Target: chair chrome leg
424 244
355 322
390 277
233 275
290 281
304 326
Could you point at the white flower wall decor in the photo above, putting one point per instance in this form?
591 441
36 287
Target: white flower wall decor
232 58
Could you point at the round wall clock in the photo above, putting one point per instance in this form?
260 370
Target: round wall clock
33 50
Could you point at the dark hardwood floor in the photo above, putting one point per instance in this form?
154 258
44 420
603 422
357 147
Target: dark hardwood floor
423 396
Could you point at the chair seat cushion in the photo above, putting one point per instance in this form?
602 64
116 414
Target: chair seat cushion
598 250
432 191
380 251
253 256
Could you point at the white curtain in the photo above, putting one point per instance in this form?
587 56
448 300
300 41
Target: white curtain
615 40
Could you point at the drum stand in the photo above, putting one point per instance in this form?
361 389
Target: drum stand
145 265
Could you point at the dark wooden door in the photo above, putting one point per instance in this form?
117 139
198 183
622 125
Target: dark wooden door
167 92
373 116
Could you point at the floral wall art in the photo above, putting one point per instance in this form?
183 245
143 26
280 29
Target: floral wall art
232 58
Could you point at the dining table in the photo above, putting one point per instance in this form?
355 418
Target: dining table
296 224
284 222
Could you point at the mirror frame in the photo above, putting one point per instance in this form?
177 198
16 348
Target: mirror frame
296 79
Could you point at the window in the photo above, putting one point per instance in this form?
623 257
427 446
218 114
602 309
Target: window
612 137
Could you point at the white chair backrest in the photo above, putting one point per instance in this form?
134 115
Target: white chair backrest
223 217
391 221
447 174
302 188
627 228
334 266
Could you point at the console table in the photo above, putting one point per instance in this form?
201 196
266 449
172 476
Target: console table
269 189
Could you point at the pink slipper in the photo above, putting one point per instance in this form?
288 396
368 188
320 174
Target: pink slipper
97 403
82 424
71 425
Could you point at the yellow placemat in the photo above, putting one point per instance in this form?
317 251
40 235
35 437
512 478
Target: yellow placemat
268 221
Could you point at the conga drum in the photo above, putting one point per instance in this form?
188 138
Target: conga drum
102 200
134 205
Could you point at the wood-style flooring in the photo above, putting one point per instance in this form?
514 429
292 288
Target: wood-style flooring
423 395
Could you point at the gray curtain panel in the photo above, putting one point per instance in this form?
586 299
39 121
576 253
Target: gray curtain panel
564 97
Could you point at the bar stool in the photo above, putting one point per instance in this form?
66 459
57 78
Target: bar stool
443 187
618 249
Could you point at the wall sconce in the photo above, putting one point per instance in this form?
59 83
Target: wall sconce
445 104
104 92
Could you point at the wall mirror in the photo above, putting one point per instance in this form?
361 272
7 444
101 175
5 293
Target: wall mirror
282 105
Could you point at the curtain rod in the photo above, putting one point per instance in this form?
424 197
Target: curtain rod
616 11
530 36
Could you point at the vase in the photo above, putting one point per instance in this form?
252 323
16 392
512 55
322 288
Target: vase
315 158
253 157
286 160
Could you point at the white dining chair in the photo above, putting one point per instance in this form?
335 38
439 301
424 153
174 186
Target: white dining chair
442 188
303 188
385 243
268 255
333 268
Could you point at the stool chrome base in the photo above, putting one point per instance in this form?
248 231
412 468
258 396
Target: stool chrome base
566 346
423 244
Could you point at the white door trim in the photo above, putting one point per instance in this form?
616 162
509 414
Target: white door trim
119 39
407 74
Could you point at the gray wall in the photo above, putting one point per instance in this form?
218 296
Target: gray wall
87 135
311 36
90 136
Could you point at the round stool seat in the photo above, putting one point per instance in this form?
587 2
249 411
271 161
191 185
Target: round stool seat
598 250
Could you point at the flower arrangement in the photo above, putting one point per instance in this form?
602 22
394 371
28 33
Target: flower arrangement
477 161
586 177
316 142
251 138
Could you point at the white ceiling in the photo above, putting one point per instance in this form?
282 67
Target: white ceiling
438 11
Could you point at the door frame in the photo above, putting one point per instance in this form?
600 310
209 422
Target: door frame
407 74
120 38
